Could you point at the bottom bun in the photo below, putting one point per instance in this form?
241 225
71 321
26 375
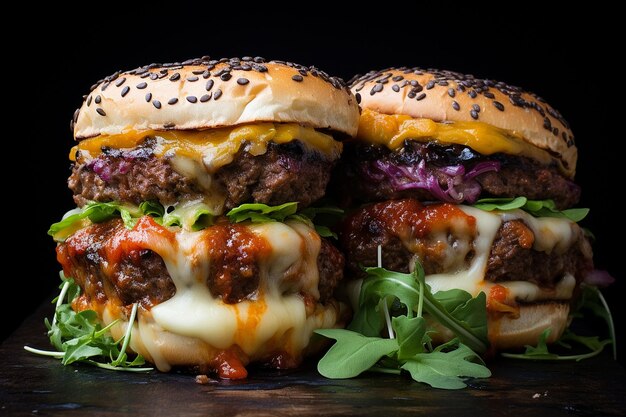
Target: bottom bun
506 332
279 344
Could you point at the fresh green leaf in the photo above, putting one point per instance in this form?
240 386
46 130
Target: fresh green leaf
411 335
380 283
96 213
152 208
490 204
190 216
444 369
538 208
353 353
260 213
466 309
79 337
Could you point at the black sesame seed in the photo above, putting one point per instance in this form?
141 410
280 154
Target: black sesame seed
376 89
120 81
474 114
206 74
489 95
358 98
498 105
218 94
395 87
172 101
555 131
88 101
175 76
205 98
430 84
209 85
472 93
547 124
451 92
420 96
192 99
442 83
148 97
476 108
125 91
397 78
192 78
456 105
169 125
242 81
154 76
98 99
411 94
100 111
141 86
157 104
225 76
297 78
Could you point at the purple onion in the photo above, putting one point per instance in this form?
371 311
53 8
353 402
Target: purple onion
599 278
450 183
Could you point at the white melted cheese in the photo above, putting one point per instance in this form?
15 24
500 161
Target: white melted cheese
551 234
275 319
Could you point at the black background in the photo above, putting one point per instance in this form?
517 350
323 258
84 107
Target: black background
568 57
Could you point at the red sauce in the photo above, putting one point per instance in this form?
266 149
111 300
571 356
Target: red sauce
228 365
497 302
235 254
145 235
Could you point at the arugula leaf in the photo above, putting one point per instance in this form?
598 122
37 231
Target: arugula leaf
260 213
353 353
538 208
467 309
411 334
79 337
360 347
444 369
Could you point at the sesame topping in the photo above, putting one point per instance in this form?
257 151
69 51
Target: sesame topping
297 78
100 111
141 85
454 83
172 101
125 91
157 104
242 81
191 99
148 97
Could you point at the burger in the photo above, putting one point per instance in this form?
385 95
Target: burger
474 179
187 178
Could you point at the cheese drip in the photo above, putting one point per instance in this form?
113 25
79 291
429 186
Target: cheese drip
215 147
193 325
551 234
391 130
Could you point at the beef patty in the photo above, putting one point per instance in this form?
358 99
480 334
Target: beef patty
285 172
443 236
106 261
375 173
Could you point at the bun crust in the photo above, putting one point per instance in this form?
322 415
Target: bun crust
506 332
451 96
202 93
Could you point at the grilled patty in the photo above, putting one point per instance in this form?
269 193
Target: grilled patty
286 172
376 173
107 264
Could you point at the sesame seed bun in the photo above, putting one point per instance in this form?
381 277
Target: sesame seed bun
202 93
451 96
506 332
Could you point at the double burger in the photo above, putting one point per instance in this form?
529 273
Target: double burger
434 149
166 152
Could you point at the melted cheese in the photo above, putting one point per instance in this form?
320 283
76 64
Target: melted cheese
214 147
276 319
551 234
392 130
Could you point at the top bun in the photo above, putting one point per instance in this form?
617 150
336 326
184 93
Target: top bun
204 93
451 96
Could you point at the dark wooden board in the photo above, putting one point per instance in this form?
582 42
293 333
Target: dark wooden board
35 385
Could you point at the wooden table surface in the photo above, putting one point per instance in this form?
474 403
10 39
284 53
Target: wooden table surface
34 385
